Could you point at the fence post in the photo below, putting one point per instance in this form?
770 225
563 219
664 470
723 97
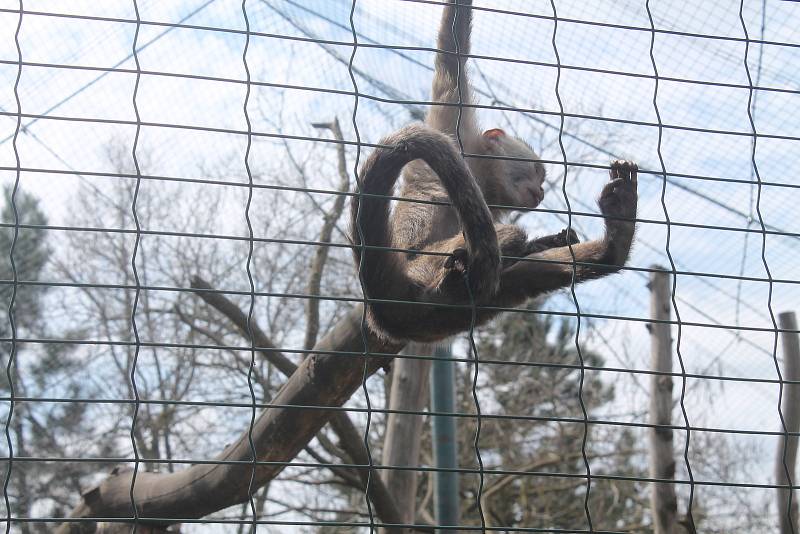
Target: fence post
663 501
787 447
401 445
445 440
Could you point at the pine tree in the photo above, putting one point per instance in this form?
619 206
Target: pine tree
540 379
37 429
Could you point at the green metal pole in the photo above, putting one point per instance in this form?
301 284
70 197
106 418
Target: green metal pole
445 445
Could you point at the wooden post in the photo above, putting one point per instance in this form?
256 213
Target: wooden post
401 445
663 501
787 445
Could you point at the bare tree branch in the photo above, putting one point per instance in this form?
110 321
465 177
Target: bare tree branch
329 222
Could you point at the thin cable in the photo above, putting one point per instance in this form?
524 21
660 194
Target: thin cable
234 131
460 470
364 300
751 200
473 305
230 237
365 43
573 293
12 301
593 23
689 513
672 182
251 283
495 309
400 50
137 290
750 97
397 97
138 23
234 348
351 526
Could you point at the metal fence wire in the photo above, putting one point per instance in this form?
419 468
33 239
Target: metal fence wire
186 345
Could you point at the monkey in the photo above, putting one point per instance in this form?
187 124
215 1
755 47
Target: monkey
446 249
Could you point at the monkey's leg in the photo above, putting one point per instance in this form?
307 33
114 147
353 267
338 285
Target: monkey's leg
444 274
442 266
513 243
450 78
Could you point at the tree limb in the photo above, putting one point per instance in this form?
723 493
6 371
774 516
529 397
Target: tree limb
329 222
349 437
324 379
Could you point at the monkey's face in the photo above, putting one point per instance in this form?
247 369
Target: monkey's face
522 178
526 180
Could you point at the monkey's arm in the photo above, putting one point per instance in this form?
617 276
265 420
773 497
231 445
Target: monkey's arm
552 269
564 238
450 82
544 271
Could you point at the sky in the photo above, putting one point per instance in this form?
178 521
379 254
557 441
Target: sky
77 68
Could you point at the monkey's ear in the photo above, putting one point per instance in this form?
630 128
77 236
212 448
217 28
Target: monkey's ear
494 134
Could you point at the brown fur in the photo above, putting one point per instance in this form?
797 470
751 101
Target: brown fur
451 254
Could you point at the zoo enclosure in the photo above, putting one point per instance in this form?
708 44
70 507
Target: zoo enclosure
160 108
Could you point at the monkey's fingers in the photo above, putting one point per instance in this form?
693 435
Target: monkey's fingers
570 236
458 260
623 169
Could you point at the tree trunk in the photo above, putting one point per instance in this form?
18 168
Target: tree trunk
785 463
663 501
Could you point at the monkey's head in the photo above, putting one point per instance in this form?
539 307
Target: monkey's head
517 182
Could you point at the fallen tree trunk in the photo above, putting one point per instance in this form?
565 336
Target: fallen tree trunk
278 434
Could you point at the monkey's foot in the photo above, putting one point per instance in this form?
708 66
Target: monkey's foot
455 268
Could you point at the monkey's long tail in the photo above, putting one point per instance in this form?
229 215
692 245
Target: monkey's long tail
384 273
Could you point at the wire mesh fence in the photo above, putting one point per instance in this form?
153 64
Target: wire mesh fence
185 343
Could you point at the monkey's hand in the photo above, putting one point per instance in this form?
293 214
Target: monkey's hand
618 204
457 261
564 238
458 267
618 199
